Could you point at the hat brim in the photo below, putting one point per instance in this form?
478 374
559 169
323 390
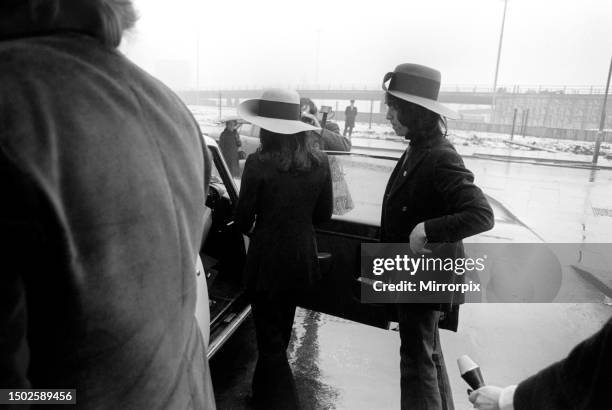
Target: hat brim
245 111
431 105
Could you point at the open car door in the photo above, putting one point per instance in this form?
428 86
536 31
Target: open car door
359 182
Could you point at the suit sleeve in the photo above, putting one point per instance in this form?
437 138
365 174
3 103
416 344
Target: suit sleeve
18 234
469 210
247 200
325 201
580 381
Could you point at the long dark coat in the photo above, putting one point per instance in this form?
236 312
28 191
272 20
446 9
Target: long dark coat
229 142
350 113
101 220
284 206
433 186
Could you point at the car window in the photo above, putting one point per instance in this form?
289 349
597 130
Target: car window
359 183
249 130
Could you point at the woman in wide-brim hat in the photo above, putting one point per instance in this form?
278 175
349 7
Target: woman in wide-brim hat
286 188
431 203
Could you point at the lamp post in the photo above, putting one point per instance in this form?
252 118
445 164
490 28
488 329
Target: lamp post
499 48
317 56
602 121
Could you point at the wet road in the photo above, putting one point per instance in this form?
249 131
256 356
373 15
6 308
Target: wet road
343 365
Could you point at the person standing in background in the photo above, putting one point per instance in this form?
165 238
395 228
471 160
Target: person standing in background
229 142
430 201
350 113
104 176
286 188
328 139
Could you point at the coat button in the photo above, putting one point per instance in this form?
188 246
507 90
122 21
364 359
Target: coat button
404 208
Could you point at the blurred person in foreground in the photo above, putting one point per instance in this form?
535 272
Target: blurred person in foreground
286 188
430 198
104 178
327 139
580 381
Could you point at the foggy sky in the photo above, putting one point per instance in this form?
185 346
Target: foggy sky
275 43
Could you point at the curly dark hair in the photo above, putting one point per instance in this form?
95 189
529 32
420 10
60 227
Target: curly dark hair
419 120
292 152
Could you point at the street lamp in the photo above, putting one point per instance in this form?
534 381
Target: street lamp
602 121
501 39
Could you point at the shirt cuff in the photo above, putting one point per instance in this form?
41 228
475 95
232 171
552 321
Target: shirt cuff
506 398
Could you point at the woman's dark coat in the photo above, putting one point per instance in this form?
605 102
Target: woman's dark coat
284 206
229 142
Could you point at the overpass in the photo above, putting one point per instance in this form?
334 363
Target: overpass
460 94
563 107
484 97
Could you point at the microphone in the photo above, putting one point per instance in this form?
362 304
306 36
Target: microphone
470 372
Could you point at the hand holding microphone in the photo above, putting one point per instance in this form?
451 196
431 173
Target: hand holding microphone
470 372
481 396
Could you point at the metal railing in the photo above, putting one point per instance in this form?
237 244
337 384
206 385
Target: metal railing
458 88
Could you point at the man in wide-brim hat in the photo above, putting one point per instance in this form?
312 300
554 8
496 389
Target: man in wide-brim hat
430 198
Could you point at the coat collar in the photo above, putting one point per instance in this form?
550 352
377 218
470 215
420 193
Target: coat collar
424 141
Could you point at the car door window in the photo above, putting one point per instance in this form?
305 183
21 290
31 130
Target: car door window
359 183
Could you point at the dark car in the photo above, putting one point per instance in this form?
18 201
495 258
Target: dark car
359 182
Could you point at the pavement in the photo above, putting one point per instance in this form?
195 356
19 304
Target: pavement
344 365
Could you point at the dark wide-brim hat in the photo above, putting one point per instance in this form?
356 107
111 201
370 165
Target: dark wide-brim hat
419 85
277 110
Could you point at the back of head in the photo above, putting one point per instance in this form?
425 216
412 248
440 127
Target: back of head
291 151
309 105
105 20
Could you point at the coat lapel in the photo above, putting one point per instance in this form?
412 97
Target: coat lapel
404 172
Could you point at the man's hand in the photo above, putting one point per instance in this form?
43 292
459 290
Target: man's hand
486 398
418 240
312 118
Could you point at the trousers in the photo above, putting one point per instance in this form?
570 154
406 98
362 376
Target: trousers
273 382
424 381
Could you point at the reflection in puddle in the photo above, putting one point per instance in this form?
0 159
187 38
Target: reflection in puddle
304 359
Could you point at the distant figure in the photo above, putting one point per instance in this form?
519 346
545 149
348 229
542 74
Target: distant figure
229 142
103 175
286 188
350 113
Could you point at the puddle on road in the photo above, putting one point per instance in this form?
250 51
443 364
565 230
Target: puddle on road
339 364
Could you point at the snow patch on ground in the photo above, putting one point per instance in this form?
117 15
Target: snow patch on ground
466 142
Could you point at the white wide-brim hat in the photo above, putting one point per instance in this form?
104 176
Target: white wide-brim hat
419 85
277 110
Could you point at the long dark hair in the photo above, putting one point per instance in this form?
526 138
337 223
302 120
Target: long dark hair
291 152
421 122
